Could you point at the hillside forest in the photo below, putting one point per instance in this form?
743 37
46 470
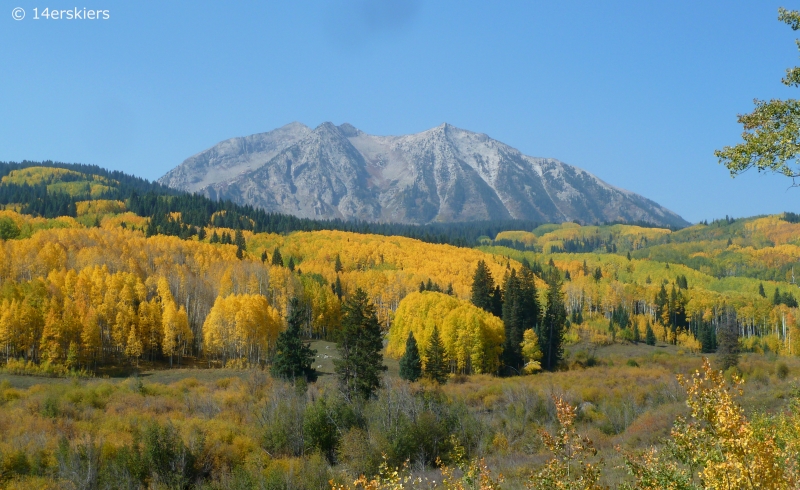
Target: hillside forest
140 330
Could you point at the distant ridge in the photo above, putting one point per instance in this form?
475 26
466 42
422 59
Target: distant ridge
444 174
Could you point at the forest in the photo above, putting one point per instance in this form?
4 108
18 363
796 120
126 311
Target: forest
153 339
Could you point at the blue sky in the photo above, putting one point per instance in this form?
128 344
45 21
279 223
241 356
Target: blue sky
638 93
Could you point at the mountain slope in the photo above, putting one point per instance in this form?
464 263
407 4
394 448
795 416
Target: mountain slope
444 174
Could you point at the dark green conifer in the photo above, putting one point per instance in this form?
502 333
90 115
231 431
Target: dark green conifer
707 337
337 288
411 363
728 339
554 322
360 345
761 291
241 245
290 265
276 257
337 266
649 336
293 357
436 364
482 287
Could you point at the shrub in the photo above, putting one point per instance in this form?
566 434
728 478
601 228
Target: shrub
782 371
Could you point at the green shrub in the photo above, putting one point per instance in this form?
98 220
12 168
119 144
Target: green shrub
782 371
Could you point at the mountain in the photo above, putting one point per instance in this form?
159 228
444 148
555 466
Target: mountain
444 174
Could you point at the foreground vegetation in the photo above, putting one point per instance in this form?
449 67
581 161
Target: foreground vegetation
220 428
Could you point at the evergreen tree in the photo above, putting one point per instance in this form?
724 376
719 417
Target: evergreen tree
598 274
201 234
436 364
776 298
360 346
241 245
337 266
482 287
637 336
497 302
649 336
761 291
512 322
290 265
551 332
276 257
411 363
264 256
293 358
520 312
214 237
728 340
337 288
708 340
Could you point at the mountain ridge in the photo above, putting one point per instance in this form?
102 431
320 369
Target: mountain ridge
443 174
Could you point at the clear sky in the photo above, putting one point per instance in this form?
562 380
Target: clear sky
638 93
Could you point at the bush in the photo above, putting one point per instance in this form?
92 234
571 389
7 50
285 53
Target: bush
783 370
632 363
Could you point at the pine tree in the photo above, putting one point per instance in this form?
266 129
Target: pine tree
264 256
482 287
728 340
411 363
293 358
241 245
276 257
761 291
649 336
360 346
337 288
337 266
201 234
512 321
214 237
497 302
776 298
637 336
520 312
290 265
708 341
436 364
551 332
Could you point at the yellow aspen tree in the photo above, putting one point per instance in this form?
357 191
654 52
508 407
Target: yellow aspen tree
134 348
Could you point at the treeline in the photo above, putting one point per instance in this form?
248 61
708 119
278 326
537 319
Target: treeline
159 203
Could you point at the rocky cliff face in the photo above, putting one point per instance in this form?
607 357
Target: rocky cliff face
443 174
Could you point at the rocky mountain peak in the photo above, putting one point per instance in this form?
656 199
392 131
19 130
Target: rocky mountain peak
442 174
